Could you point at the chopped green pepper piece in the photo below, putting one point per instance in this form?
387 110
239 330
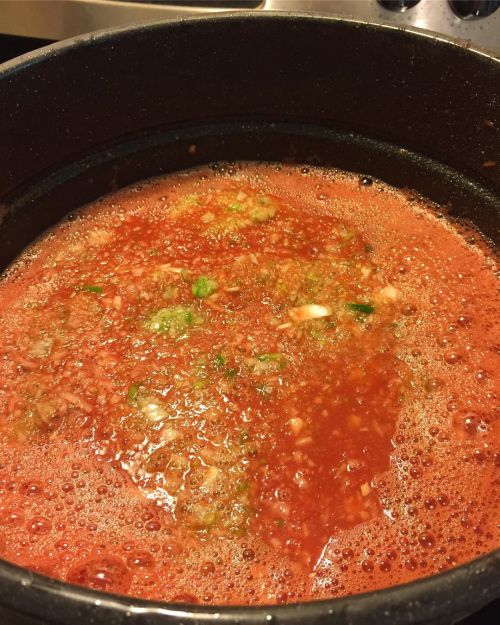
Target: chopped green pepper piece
365 309
174 320
92 288
262 213
132 392
203 287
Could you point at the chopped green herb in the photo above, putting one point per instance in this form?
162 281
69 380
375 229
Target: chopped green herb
368 248
93 288
220 360
199 384
154 252
132 393
236 208
262 213
174 320
279 523
364 309
203 287
273 357
231 373
183 204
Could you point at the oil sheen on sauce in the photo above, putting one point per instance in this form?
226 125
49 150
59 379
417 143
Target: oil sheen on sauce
249 384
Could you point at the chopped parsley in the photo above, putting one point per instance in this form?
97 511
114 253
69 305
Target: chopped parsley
275 359
237 207
364 309
174 320
220 360
203 287
93 288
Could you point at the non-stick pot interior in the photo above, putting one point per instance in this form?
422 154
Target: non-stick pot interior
42 204
86 116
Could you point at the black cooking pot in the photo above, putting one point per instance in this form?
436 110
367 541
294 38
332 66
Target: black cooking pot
87 116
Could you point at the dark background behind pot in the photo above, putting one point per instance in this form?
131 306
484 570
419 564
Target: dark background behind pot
444 115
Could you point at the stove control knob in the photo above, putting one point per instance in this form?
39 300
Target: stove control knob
472 9
398 5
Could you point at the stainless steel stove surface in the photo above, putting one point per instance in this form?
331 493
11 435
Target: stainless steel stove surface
476 21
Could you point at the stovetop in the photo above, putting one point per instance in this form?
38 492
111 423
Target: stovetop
475 21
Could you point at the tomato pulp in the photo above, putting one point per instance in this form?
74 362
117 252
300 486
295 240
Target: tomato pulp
249 384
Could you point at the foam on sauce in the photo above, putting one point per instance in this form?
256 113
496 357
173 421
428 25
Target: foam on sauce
249 384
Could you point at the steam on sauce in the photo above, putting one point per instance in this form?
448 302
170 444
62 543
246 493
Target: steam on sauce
249 384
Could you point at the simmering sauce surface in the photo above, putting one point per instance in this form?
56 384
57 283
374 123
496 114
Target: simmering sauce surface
249 384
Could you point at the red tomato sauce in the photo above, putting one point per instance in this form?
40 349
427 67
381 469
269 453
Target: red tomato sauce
249 384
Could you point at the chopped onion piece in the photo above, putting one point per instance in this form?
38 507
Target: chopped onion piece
304 441
46 411
207 217
152 409
42 348
77 401
389 293
169 434
296 425
98 236
211 475
365 489
298 478
310 311
169 269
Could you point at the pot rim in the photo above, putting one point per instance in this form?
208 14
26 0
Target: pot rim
415 593
59 47
440 586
